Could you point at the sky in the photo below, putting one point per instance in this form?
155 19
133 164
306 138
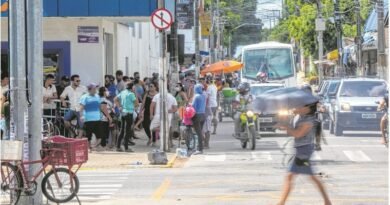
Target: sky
265 13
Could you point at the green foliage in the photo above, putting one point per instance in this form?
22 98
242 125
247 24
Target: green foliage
301 22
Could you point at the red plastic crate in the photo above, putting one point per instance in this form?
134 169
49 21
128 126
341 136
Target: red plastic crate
75 151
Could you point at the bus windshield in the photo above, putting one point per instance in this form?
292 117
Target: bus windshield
276 62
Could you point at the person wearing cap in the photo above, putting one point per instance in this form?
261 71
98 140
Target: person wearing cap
91 109
73 92
62 85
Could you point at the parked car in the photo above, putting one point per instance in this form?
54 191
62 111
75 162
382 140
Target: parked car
325 101
354 105
266 121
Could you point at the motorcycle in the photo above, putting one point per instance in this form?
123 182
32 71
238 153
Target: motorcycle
248 134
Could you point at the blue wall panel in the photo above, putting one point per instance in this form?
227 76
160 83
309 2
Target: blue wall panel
81 8
103 7
73 7
50 8
135 8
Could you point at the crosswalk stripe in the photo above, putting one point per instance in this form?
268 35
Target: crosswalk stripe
215 158
101 181
315 156
261 156
357 156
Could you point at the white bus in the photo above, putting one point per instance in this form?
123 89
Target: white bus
275 59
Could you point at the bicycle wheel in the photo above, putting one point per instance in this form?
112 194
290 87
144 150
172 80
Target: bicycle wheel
190 139
11 184
58 185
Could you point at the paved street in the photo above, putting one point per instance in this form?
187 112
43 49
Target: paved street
354 169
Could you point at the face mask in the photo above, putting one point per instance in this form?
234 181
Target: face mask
107 93
177 89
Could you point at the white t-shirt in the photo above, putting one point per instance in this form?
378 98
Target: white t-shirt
171 101
74 96
49 93
212 92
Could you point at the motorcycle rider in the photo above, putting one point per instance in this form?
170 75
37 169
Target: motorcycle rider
384 105
242 101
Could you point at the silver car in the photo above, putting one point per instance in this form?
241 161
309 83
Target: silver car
354 105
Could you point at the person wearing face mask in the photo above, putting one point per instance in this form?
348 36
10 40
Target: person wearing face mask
107 121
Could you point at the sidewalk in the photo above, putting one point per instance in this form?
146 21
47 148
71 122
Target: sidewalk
121 160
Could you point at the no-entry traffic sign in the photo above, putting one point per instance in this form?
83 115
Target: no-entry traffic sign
161 19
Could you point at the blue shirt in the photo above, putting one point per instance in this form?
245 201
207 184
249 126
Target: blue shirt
199 101
91 105
112 89
126 98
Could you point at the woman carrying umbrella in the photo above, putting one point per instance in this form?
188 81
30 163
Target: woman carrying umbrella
304 132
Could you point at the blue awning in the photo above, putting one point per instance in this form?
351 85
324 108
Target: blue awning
371 22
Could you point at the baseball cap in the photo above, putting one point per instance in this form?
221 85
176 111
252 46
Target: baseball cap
92 85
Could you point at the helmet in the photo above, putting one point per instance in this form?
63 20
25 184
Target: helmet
244 87
189 112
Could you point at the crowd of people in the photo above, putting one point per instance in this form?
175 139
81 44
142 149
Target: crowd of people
114 111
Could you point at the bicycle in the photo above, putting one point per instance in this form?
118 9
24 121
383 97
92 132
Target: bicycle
60 184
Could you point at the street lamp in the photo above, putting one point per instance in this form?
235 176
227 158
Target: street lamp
235 28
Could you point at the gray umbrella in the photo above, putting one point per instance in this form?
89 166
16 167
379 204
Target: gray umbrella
284 98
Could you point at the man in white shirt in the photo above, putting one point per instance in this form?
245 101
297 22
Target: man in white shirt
212 92
171 104
49 94
74 93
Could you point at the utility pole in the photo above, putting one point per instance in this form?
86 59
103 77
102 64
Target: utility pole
358 38
339 35
35 66
320 28
196 35
381 40
17 45
163 87
218 33
212 40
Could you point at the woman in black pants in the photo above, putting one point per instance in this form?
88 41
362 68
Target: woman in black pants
145 111
106 127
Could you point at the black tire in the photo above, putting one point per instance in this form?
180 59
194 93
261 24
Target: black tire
47 184
252 137
220 117
190 139
387 139
244 144
17 180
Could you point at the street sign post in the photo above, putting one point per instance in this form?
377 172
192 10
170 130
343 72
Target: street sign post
161 19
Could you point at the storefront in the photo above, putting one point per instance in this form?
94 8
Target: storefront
91 39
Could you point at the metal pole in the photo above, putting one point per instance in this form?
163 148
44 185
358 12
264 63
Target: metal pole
381 40
17 42
358 38
17 66
163 86
196 35
212 43
218 33
339 36
320 42
35 66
